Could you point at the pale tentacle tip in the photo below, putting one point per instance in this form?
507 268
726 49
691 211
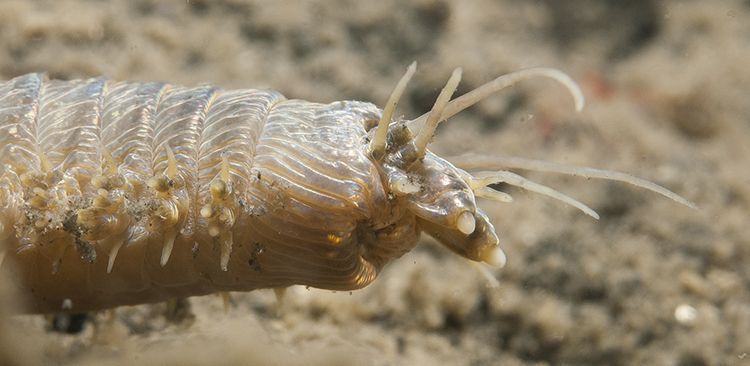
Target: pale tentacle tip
466 223
495 257
685 202
580 103
575 91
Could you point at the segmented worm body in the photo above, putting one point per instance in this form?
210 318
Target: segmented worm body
115 193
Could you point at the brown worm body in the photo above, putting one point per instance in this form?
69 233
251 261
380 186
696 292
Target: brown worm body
117 193
280 200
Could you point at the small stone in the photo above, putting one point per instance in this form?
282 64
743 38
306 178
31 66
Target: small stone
685 314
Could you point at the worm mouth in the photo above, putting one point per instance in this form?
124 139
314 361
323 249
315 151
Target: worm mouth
481 245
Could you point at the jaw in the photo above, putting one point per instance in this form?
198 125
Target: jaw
480 246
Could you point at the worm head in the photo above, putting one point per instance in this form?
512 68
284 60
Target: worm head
440 195
443 201
434 191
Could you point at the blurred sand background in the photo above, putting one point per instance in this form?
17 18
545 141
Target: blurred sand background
652 283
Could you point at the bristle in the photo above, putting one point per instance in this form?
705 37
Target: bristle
226 249
280 293
113 255
59 251
226 299
166 250
109 165
224 174
171 163
220 213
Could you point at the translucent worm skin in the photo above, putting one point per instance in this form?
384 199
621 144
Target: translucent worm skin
116 193
119 193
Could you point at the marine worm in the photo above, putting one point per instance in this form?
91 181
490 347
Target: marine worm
119 193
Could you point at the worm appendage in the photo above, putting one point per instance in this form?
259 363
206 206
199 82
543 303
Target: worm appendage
170 206
221 213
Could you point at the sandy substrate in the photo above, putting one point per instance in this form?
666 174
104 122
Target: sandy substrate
651 283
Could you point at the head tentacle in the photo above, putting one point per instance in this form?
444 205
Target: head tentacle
478 161
377 145
469 99
435 115
484 179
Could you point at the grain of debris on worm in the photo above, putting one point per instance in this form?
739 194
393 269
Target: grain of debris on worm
118 193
